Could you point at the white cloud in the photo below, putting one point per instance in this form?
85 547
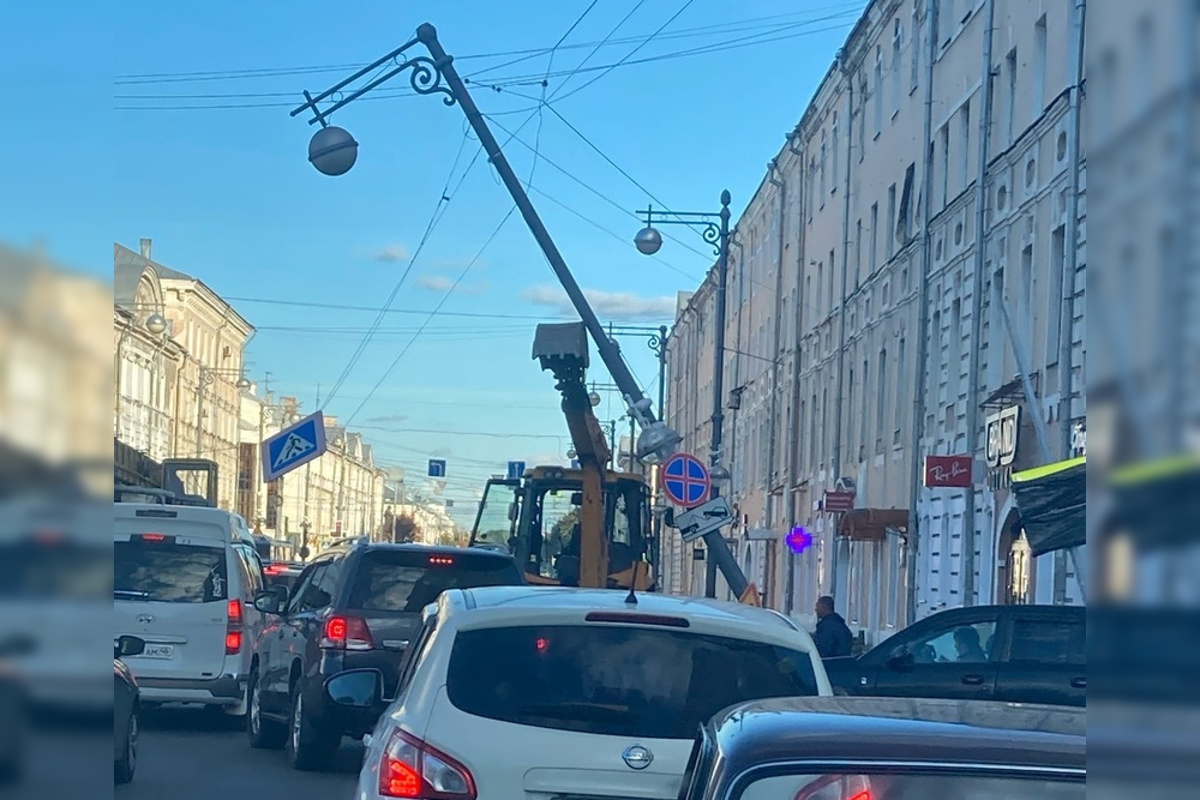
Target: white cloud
608 305
435 283
440 283
392 418
390 254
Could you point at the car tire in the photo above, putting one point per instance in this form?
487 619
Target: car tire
126 765
263 733
308 747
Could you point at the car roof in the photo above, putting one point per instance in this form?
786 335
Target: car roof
571 602
414 547
900 729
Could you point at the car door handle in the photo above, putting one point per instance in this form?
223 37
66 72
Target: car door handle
973 680
1079 683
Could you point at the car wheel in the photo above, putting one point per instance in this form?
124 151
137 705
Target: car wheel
264 734
308 747
126 765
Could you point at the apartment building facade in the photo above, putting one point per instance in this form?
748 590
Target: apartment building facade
854 290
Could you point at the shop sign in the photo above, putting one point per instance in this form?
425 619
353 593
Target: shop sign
948 472
1002 434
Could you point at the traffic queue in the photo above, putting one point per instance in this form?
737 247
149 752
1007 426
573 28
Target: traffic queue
463 679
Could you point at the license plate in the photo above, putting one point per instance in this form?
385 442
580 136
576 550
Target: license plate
158 651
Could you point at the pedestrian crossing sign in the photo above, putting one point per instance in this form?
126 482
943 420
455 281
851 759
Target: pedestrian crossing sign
293 446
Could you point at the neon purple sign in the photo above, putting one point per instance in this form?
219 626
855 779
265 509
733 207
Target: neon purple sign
799 540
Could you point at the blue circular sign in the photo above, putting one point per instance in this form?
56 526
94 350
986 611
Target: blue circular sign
685 480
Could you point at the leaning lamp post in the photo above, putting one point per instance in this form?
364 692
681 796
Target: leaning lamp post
715 231
333 151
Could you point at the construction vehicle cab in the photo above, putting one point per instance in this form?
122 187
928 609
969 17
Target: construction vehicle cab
582 526
538 519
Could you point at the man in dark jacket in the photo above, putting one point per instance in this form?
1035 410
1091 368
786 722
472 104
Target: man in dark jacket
833 637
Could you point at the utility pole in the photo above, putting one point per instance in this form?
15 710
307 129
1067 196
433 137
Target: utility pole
718 414
974 357
772 448
916 476
834 537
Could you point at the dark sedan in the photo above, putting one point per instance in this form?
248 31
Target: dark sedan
1018 654
851 748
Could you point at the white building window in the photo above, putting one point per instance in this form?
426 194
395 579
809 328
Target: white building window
892 224
1039 67
824 154
833 147
877 89
964 143
897 47
916 48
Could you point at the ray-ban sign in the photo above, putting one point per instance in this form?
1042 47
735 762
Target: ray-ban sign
948 471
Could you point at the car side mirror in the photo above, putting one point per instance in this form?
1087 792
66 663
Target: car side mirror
356 688
900 660
126 646
271 601
514 511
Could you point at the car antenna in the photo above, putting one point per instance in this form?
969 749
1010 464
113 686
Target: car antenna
631 598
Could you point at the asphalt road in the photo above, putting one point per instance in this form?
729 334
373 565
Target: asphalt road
188 755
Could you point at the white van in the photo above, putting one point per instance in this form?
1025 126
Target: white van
184 580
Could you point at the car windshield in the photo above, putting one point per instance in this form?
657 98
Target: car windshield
616 680
908 787
169 572
411 580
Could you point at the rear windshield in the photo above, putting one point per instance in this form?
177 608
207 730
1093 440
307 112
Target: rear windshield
168 572
409 581
617 681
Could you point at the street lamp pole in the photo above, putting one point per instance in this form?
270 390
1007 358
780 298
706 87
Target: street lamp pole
334 151
715 232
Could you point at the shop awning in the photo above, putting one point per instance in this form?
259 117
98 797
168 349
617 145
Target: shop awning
1053 503
872 524
1155 502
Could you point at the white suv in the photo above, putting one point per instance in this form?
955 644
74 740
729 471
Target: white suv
550 692
184 580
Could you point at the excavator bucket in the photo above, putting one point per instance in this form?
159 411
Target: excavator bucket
562 344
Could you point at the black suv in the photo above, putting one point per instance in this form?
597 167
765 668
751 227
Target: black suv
1020 654
357 605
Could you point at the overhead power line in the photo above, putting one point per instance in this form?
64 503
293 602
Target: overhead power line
785 33
522 55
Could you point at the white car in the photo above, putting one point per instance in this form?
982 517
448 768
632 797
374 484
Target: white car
184 580
513 692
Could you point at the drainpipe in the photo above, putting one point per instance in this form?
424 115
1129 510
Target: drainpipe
974 356
835 550
916 476
794 422
772 450
1071 246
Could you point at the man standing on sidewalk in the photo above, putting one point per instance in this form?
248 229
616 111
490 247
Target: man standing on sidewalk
833 636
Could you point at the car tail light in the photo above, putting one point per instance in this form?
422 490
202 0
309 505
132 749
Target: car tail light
233 628
411 768
347 633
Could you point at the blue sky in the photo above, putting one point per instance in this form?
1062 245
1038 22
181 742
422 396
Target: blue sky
212 168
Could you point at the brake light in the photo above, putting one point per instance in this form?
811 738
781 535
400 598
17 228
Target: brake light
153 537
347 633
410 768
233 628
273 569
862 796
442 561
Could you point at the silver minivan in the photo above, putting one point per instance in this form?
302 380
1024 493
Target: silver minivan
184 580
